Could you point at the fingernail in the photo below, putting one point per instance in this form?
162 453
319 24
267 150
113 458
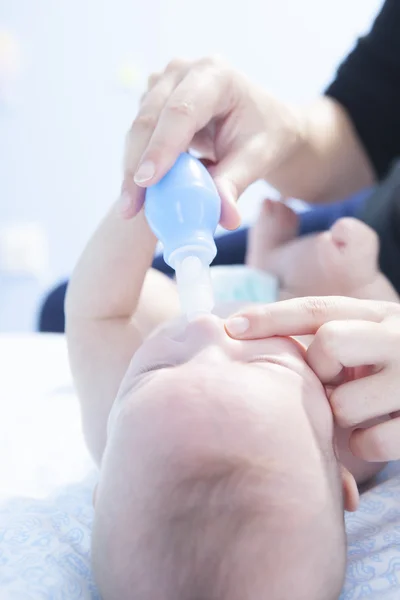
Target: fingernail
237 325
124 203
145 172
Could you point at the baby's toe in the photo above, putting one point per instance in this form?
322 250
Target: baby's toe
355 239
276 225
350 253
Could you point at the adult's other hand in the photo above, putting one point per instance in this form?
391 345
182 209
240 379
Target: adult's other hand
355 352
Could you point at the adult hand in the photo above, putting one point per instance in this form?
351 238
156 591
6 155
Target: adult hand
355 349
207 106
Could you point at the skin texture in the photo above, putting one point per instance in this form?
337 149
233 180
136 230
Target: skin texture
245 429
223 433
342 261
245 133
354 345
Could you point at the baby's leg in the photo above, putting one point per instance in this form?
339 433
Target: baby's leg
276 225
341 262
352 248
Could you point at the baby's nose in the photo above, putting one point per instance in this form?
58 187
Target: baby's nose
207 328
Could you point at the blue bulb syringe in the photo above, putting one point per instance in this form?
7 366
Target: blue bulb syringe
183 211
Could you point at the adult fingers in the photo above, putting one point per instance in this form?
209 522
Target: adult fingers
242 166
151 81
201 95
351 343
379 443
304 316
142 129
358 401
232 175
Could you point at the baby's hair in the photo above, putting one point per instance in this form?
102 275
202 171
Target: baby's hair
205 516
215 534
214 521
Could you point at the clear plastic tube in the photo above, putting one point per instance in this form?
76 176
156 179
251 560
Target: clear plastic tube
194 285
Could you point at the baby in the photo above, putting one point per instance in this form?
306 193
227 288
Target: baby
339 262
222 475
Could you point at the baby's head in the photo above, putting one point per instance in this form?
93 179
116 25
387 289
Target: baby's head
219 480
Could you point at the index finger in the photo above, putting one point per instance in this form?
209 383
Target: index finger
201 96
304 316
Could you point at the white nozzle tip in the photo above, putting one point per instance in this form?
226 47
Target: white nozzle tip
194 286
191 267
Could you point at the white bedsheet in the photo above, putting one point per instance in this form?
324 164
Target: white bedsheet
47 478
41 443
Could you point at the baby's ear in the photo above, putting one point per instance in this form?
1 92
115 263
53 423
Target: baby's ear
350 490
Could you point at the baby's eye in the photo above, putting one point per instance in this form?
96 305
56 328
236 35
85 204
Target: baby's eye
271 360
259 359
154 367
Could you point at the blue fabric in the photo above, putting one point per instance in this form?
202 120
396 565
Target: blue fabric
231 250
231 246
321 218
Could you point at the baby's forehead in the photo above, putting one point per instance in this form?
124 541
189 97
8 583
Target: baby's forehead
235 412
246 391
265 390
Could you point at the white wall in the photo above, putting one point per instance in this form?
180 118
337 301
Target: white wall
60 144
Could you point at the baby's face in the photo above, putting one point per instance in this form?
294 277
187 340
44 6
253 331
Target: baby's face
206 341
193 398
270 368
266 378
194 378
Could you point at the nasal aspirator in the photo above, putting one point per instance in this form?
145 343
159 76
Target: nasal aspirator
183 210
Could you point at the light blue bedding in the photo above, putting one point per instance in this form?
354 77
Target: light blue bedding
45 545
373 532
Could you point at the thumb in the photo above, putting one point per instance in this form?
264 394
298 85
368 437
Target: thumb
232 175
230 217
131 199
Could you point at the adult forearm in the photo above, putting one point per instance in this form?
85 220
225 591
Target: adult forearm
329 162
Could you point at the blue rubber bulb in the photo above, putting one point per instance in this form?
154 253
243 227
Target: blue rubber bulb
183 211
184 208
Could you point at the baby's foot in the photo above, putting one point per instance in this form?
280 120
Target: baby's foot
351 250
349 254
276 225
